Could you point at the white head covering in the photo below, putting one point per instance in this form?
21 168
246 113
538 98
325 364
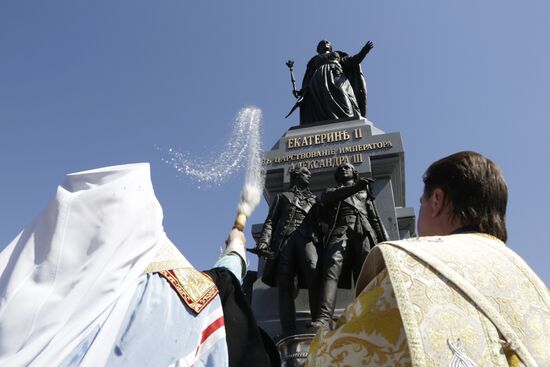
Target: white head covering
75 267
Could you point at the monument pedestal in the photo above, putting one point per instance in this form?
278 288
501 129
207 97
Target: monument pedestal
322 148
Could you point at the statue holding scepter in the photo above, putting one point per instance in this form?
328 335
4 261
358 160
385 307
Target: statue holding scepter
333 86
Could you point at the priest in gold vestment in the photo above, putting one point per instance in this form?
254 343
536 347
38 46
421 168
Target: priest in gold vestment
456 296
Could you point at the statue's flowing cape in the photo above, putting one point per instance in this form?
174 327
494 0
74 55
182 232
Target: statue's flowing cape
458 300
76 266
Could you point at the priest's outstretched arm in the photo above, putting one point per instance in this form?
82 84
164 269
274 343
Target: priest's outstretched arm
234 256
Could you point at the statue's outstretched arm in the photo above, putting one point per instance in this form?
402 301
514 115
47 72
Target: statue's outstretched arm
341 193
357 59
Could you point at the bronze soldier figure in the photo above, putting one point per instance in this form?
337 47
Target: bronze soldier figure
287 241
354 228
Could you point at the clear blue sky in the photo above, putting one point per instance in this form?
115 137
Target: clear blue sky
85 84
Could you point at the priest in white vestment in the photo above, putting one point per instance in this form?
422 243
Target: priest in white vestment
95 281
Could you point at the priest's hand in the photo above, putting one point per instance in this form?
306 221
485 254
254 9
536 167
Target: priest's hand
236 235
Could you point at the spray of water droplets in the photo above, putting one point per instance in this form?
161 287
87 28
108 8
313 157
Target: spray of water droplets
254 179
242 147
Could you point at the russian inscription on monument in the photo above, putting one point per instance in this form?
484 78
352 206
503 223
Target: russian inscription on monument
330 149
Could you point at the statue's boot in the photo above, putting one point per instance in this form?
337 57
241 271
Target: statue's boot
314 301
287 309
327 304
309 261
